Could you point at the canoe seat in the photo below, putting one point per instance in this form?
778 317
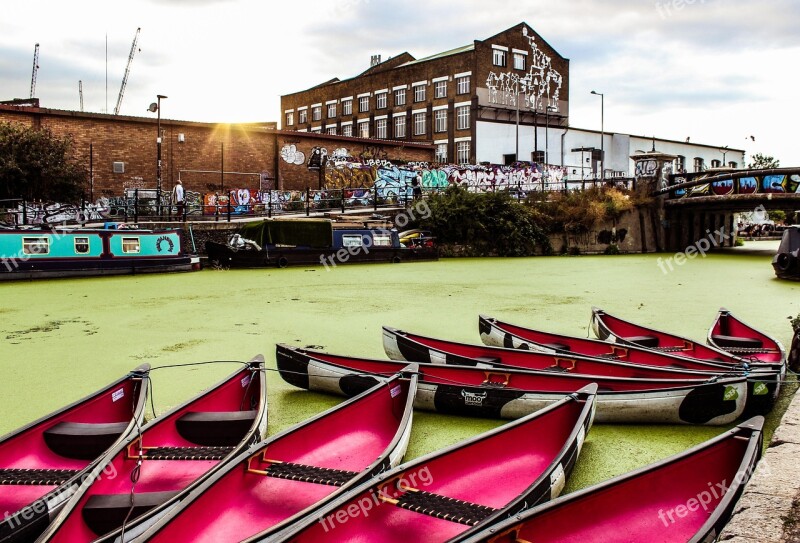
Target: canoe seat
215 428
491 360
557 346
736 342
644 341
53 477
104 513
436 505
180 453
80 440
308 474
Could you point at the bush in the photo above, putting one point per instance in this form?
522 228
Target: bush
580 211
492 223
612 249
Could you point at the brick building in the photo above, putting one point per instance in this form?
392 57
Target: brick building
459 99
120 152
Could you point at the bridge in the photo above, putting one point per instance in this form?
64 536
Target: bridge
702 205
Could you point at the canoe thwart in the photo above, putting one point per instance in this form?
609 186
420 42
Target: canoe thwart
643 341
36 476
178 453
80 440
305 473
106 512
438 506
736 342
215 428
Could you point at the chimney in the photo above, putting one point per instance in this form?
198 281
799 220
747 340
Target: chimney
374 60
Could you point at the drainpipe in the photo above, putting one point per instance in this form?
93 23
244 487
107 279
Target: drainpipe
563 137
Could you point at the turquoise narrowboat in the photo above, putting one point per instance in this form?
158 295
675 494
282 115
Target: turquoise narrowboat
53 252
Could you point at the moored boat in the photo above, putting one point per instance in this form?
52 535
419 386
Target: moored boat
166 458
283 242
686 498
43 463
764 385
733 335
75 252
292 474
454 492
402 345
510 393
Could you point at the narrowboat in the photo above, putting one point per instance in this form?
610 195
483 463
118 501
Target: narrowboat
284 242
52 252
786 261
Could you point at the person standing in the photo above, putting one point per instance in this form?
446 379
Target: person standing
179 197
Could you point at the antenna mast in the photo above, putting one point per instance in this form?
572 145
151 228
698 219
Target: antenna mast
127 71
35 69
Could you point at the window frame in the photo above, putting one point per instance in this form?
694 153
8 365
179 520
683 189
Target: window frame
499 58
463 149
316 113
32 245
381 129
347 107
381 100
440 89
331 111
420 128
523 65
363 104
400 122
82 240
440 121
400 98
419 93
463 120
126 243
463 84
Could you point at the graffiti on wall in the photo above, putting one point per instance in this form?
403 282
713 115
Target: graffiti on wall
540 87
766 184
291 155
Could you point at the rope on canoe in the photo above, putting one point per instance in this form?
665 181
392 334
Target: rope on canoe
310 474
185 453
436 505
36 476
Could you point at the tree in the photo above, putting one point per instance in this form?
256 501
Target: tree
36 164
763 162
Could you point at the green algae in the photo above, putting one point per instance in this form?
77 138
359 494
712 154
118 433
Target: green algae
66 338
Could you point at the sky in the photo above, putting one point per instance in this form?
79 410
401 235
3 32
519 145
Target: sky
720 72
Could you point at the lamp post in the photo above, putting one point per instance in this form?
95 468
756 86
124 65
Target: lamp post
602 137
156 107
724 152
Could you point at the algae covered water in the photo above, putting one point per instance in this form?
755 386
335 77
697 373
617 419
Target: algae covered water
65 338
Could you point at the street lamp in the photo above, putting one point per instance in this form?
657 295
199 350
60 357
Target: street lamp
602 137
156 107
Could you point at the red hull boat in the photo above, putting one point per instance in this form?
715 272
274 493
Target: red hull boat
297 471
161 461
508 393
43 463
451 493
686 498
732 335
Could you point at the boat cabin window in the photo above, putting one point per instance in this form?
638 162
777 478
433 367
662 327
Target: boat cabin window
382 241
81 246
352 240
130 245
36 246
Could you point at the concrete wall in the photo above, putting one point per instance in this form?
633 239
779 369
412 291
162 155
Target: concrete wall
633 233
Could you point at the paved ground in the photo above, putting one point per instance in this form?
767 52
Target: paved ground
769 511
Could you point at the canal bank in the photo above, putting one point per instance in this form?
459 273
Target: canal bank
66 338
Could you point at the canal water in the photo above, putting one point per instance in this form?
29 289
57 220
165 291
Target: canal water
65 338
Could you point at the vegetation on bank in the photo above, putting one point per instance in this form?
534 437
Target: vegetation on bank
495 223
36 164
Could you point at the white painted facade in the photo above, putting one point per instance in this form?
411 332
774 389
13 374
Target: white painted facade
495 140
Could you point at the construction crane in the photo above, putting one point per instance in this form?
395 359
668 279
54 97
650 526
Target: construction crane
127 71
80 92
35 69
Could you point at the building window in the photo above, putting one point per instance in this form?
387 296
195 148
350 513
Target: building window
699 164
380 129
81 246
441 153
419 124
380 101
347 130
363 104
302 116
499 57
35 246
331 130
716 163
462 85
440 89
400 127
462 152
419 93
400 97
290 118
316 130
130 245
363 129
462 116
680 164
440 120
316 113
733 165
331 111
347 107
519 61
